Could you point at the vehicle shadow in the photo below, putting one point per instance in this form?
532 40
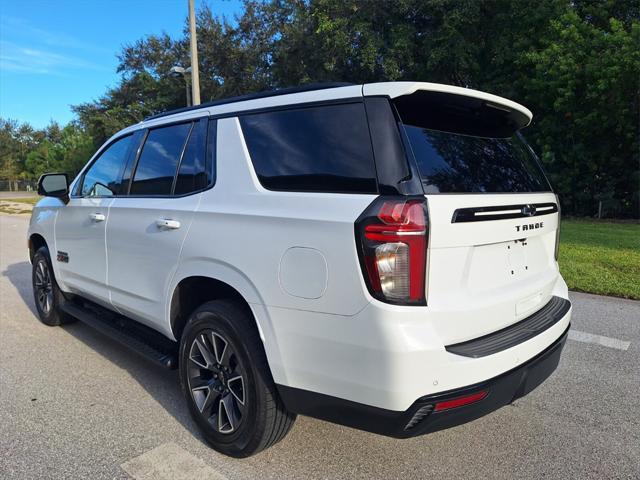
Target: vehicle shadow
19 274
163 385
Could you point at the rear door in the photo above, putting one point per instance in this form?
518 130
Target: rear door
148 226
80 225
492 215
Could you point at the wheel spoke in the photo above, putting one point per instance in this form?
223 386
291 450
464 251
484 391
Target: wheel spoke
236 387
47 302
200 396
208 407
204 351
197 382
40 270
227 420
220 348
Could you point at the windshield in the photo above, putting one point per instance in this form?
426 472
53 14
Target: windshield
455 163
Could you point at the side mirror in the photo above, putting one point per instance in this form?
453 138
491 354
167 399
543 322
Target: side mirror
54 185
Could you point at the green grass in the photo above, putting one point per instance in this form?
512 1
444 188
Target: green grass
601 257
11 211
29 200
18 205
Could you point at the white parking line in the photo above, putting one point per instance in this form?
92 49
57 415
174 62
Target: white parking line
169 462
585 337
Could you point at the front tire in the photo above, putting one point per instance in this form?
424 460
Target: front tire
46 293
227 383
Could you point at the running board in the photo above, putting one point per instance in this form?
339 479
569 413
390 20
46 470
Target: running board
139 338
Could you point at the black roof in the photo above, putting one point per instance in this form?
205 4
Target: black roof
252 96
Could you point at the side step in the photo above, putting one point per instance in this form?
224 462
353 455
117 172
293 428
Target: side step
139 338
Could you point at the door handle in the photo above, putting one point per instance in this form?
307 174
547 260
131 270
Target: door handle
97 217
168 223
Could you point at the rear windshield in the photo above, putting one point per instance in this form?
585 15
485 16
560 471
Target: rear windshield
456 163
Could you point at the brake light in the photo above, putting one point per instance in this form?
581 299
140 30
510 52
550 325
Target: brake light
392 234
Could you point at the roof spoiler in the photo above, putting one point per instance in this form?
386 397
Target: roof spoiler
453 109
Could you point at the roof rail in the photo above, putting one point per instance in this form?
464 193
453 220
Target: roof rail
252 96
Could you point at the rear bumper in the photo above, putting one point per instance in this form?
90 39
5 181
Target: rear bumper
420 417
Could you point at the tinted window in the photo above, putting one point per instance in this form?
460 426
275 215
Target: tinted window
451 162
192 175
159 160
103 177
325 149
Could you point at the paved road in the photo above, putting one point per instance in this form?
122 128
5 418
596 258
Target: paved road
74 404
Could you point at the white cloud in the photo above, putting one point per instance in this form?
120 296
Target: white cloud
17 58
19 28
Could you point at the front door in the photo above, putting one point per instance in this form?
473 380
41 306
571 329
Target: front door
80 226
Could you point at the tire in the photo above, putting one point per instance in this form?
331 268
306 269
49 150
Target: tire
46 293
227 383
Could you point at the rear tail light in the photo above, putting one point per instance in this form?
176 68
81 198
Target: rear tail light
392 238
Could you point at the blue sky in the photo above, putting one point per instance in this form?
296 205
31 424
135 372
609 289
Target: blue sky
57 53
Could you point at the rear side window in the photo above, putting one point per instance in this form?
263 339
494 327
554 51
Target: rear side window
316 149
193 171
159 160
456 163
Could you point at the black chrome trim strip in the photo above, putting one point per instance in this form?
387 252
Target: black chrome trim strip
502 212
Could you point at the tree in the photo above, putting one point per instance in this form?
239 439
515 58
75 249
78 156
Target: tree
584 82
574 63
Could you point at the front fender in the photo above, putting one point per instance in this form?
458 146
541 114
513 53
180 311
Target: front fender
43 223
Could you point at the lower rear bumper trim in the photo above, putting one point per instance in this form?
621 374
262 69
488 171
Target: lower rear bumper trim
420 417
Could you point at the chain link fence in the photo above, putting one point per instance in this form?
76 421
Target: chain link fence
18 185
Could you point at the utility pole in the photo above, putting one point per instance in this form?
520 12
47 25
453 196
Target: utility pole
195 76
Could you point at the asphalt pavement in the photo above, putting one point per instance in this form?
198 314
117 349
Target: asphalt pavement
74 404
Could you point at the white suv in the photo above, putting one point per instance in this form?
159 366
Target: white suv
382 256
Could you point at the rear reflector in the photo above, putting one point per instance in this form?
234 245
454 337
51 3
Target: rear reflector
460 401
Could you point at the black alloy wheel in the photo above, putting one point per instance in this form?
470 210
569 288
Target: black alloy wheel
227 383
43 286
217 381
46 293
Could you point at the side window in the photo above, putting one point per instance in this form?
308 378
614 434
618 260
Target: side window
194 174
102 179
319 149
159 160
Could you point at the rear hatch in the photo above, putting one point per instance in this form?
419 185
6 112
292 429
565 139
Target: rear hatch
492 214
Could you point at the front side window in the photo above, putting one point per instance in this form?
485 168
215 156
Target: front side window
102 179
318 149
159 160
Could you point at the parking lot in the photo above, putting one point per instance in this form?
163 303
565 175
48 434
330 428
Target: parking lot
74 404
